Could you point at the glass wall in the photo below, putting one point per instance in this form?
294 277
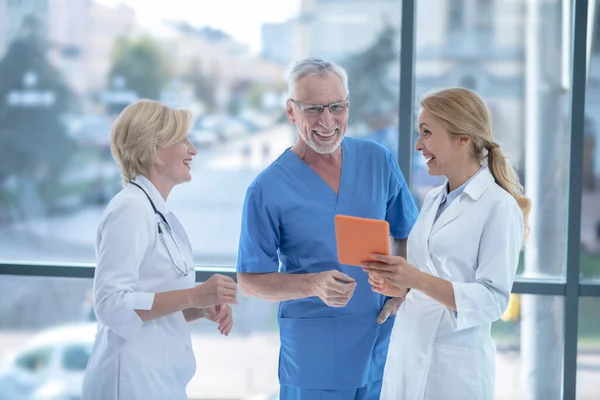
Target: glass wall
518 347
69 68
47 329
45 341
588 349
516 54
512 58
590 213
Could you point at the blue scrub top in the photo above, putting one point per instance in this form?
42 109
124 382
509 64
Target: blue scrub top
288 227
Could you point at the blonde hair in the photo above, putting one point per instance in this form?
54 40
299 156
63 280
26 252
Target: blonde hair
463 113
140 129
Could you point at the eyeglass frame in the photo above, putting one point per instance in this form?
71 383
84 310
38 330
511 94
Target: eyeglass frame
345 103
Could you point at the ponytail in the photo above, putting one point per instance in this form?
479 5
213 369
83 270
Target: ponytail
507 178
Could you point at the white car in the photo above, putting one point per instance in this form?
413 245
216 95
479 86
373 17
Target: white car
50 366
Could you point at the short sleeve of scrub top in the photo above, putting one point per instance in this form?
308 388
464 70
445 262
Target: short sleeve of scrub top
259 238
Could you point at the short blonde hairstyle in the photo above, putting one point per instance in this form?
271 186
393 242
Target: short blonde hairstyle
140 129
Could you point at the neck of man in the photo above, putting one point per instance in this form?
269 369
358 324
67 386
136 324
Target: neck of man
317 160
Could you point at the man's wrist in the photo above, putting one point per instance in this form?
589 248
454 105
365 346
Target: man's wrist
310 285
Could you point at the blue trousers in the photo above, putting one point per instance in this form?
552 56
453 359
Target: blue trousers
369 392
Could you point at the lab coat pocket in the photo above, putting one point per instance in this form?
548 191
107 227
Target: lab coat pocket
455 373
307 356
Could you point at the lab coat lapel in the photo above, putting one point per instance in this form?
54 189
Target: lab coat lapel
450 214
473 192
423 233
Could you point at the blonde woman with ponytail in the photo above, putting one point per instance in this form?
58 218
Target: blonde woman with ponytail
462 258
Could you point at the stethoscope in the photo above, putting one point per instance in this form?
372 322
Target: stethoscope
186 268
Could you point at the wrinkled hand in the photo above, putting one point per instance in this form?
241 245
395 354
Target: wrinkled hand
390 307
218 289
393 269
333 287
222 315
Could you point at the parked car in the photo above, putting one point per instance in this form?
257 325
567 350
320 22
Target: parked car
50 366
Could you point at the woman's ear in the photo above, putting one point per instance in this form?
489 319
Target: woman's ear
464 141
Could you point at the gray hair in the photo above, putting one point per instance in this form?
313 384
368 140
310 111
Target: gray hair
314 67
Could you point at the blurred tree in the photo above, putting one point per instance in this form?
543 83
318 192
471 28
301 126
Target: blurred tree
255 97
372 89
34 145
141 64
237 97
204 86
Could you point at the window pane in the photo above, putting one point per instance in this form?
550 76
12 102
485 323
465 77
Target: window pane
590 212
56 170
529 342
512 58
44 323
47 329
588 349
245 363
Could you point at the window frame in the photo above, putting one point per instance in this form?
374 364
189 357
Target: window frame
570 287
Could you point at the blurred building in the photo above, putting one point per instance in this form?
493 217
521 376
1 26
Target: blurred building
79 35
14 13
107 22
277 41
227 64
3 26
333 29
470 43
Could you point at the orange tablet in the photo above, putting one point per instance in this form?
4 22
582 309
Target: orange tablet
358 238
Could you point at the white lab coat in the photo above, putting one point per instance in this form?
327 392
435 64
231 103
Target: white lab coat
133 360
434 352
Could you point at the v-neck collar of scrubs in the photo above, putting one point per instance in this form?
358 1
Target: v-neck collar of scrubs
315 183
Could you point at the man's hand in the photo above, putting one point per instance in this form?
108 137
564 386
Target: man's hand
221 314
333 287
390 307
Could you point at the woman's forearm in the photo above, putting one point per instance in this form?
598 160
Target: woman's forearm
438 289
192 314
166 303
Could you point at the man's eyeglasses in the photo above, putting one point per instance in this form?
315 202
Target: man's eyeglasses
316 109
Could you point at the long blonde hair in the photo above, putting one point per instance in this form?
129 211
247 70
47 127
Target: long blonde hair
463 113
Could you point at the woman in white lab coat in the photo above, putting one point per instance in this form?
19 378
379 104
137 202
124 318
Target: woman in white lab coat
461 261
144 283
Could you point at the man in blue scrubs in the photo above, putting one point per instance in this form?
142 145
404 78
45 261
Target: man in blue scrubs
334 330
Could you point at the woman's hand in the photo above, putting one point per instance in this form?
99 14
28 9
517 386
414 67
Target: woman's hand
395 272
218 289
222 315
381 286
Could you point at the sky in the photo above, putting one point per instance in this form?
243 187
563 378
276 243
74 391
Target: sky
240 18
